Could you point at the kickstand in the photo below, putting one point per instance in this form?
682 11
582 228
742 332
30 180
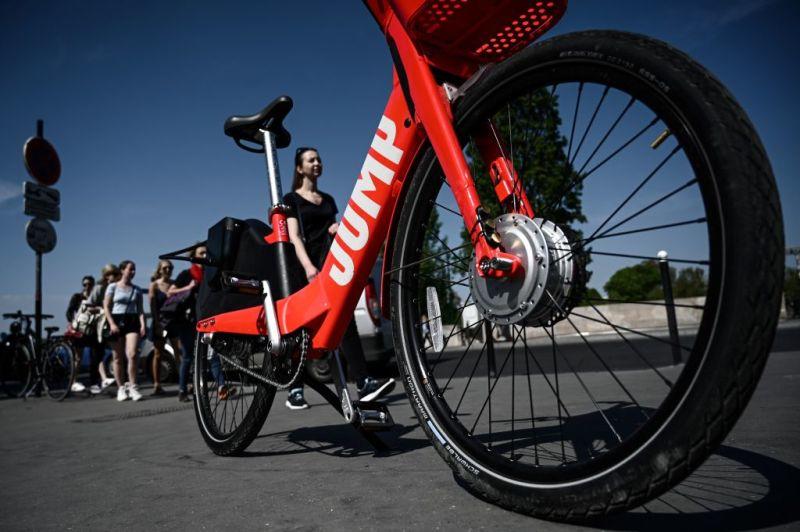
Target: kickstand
333 399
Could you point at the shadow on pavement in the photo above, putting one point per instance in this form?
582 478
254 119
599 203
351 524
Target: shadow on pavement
340 440
735 489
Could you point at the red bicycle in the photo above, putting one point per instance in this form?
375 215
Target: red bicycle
521 147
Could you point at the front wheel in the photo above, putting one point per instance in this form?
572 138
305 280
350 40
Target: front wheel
649 183
59 368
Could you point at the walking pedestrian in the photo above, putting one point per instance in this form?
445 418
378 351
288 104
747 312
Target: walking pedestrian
159 286
78 298
124 310
77 307
109 274
184 290
312 226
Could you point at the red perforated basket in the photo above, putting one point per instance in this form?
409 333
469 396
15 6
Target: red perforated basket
483 31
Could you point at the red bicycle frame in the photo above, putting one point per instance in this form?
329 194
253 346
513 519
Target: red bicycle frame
418 110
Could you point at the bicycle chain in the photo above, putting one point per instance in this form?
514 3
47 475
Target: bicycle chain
265 379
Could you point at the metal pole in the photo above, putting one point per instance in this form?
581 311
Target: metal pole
672 322
274 175
38 296
38 302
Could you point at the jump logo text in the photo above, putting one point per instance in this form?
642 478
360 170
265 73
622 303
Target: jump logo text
354 234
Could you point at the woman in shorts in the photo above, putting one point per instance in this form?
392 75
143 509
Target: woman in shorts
124 310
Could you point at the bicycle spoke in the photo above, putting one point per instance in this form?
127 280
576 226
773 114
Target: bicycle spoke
459 282
645 229
618 150
597 355
585 389
608 133
633 347
449 336
641 211
649 206
647 257
575 119
636 190
448 209
653 303
464 355
472 374
588 127
579 179
430 257
558 394
513 378
491 388
530 398
633 331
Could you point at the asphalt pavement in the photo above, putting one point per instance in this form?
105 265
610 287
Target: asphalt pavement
95 464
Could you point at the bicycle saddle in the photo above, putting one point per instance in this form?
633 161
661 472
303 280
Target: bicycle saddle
51 330
247 128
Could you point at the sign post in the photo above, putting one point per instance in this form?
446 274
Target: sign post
42 202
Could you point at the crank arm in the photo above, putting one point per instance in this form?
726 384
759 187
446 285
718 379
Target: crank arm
340 382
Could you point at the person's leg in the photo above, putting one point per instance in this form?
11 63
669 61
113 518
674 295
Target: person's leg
95 357
131 347
158 348
353 353
118 348
131 350
369 388
186 335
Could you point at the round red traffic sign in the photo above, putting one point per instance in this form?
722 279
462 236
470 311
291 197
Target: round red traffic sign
41 161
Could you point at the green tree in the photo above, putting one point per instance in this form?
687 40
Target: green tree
440 272
529 130
690 282
640 282
591 297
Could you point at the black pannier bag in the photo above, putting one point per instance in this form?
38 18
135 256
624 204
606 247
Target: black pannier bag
236 248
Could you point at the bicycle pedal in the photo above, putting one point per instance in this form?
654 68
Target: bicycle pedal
373 416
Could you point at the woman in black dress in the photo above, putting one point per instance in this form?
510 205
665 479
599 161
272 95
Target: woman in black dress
312 226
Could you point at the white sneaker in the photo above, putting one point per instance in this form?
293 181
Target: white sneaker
77 387
107 382
133 392
122 392
94 389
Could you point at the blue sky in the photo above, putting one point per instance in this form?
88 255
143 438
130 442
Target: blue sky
134 95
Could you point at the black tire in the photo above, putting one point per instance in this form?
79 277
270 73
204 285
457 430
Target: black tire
698 407
16 370
229 425
59 369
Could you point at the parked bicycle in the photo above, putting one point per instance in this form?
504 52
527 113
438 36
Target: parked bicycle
470 131
25 371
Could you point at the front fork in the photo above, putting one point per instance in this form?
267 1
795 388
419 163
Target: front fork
432 109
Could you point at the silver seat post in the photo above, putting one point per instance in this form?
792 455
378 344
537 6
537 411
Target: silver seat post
274 175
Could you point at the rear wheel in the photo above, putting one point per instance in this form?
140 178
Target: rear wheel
230 404
561 402
16 370
59 369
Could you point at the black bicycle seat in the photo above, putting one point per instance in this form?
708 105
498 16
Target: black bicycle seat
270 118
51 330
